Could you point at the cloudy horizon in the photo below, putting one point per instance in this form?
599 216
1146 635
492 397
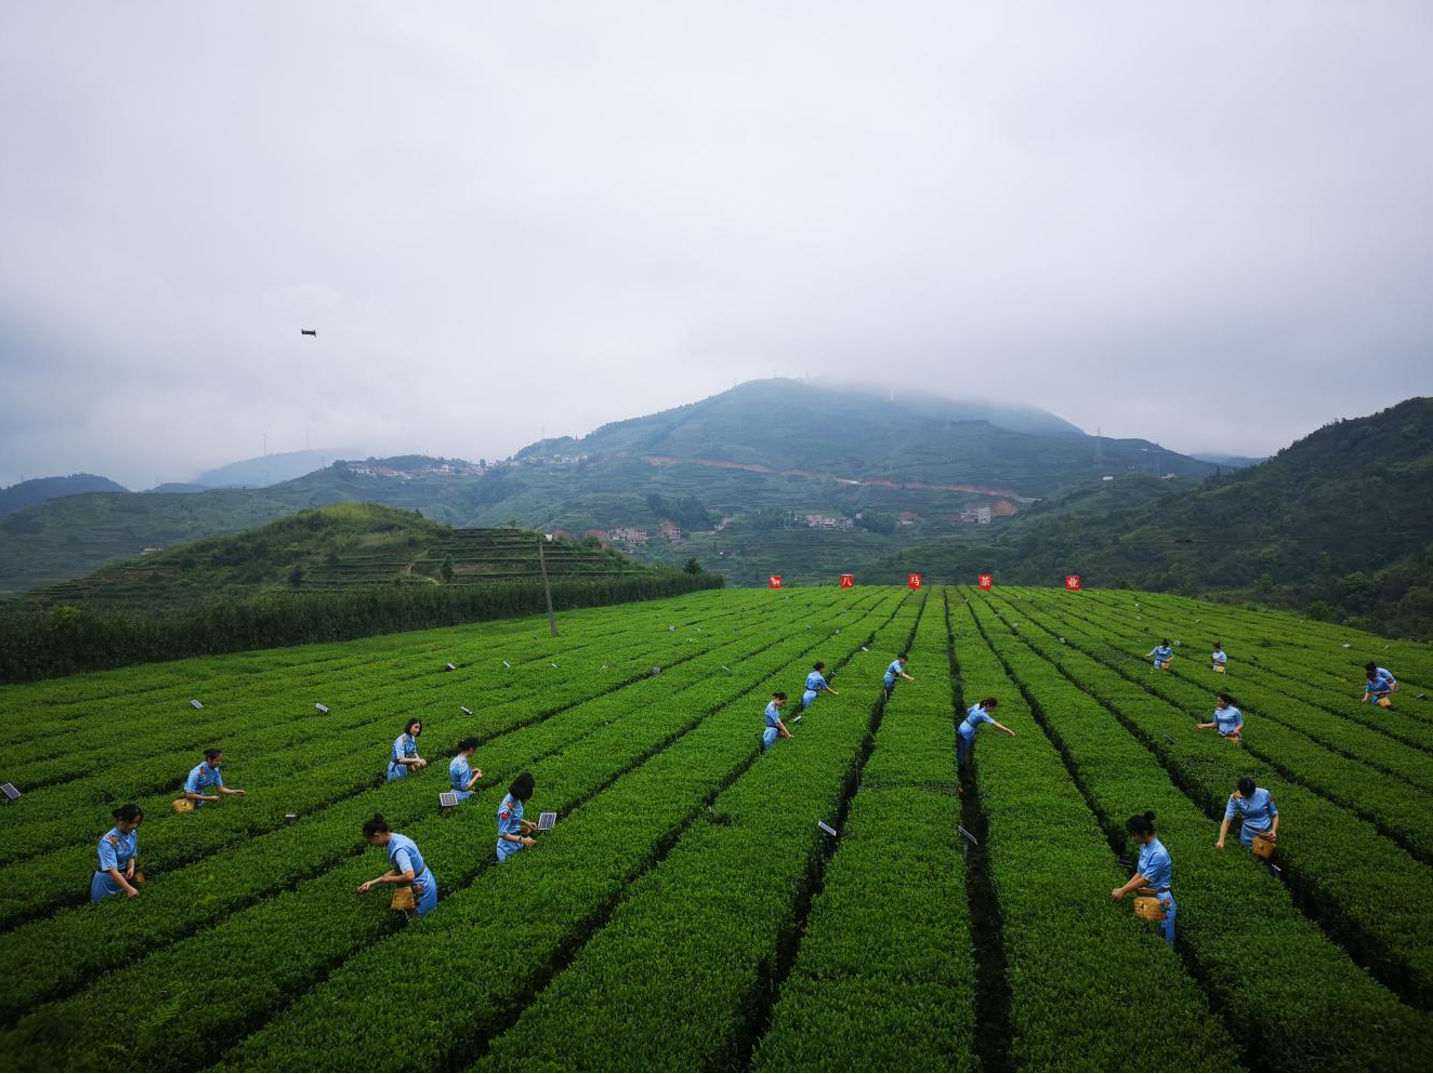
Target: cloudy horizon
1204 227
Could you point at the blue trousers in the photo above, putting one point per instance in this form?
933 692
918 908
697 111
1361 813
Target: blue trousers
767 738
963 746
806 699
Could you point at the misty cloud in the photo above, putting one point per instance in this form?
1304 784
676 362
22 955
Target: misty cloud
1204 225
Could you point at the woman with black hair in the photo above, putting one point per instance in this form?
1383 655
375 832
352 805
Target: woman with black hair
205 782
1261 815
1228 720
895 670
118 849
1380 685
418 892
405 751
1162 654
462 776
977 714
815 684
514 833
1153 870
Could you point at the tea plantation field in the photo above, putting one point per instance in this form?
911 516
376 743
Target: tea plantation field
687 912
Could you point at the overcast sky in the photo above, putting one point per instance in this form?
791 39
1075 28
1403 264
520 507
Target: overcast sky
1206 224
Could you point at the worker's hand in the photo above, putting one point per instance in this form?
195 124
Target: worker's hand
365 887
1219 845
1117 894
238 793
129 869
528 840
477 773
130 893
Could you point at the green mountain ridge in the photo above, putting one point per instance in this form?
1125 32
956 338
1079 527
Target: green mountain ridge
766 452
39 490
1339 523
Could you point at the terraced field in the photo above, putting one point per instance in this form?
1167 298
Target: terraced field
687 912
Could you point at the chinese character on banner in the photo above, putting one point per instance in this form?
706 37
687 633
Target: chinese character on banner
1072 583
774 581
847 581
913 580
986 581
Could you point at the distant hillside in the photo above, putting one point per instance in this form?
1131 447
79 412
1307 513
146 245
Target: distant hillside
269 470
772 470
338 547
767 454
1340 523
74 535
1226 462
40 489
791 428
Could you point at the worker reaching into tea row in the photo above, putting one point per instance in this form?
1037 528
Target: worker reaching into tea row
1152 876
417 888
1380 686
816 685
1228 720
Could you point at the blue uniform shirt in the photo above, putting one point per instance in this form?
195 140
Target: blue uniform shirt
403 855
509 823
405 745
459 772
1155 865
815 681
773 714
1385 675
1219 656
1162 652
202 777
892 671
117 848
116 851
1228 719
973 719
1258 809
1377 686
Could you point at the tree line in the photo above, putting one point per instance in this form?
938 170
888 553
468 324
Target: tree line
39 644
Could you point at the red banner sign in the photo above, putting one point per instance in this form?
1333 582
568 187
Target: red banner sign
774 581
986 581
913 580
1072 583
847 581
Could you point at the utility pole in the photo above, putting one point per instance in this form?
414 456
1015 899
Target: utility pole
546 587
